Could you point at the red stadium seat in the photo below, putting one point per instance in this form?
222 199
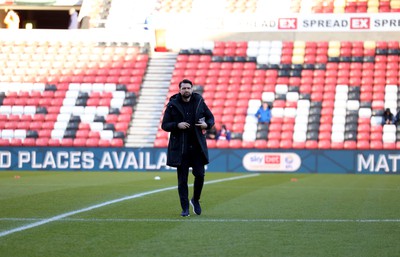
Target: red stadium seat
311 144
350 144
79 142
376 145
376 129
324 135
23 125
29 142
117 142
273 143
363 135
92 142
54 142
248 144
16 142
363 144
161 142
67 142
260 144
337 145
104 143
389 146
42 141
286 144
235 143
299 145
222 144
211 143
324 144
376 136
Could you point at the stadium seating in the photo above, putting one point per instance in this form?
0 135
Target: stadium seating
65 94
344 6
168 6
99 10
249 6
221 6
296 6
327 95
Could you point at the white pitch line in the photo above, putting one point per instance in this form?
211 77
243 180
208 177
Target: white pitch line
218 220
68 214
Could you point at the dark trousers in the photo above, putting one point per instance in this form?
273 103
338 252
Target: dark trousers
196 162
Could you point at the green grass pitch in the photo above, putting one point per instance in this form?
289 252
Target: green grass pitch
88 214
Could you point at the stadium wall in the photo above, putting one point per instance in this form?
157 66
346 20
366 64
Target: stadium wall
225 160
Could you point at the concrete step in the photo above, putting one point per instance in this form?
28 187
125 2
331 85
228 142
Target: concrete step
155 83
147 115
158 77
154 88
149 110
140 122
160 69
162 62
148 92
143 130
158 86
146 112
152 101
141 133
139 144
149 106
153 95
144 124
149 124
166 55
142 139
136 145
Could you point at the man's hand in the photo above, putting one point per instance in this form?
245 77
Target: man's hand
183 125
202 124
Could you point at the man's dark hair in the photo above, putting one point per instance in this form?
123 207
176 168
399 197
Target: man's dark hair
185 81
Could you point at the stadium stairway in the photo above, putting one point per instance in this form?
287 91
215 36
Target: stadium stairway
151 100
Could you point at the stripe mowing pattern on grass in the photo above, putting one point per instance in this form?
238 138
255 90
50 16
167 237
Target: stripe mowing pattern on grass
131 214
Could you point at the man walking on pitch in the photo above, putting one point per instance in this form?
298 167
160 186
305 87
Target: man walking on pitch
187 117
